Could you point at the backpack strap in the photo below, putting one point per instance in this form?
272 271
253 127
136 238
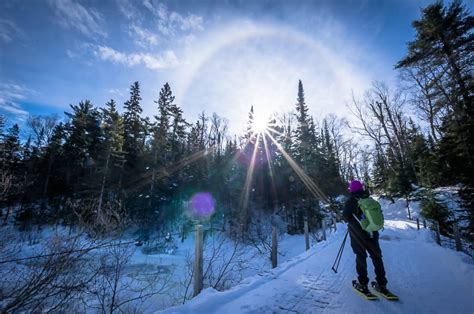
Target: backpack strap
370 233
357 219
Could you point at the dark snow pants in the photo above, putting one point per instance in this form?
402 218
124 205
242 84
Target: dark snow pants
362 243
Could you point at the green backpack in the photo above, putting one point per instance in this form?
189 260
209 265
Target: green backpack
372 219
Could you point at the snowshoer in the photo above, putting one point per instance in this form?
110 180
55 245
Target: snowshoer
363 242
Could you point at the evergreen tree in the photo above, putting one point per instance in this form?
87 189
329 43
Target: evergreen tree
443 45
302 130
52 168
11 166
333 183
161 144
112 156
134 149
178 131
133 126
82 146
308 154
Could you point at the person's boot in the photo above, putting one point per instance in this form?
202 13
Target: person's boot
380 288
360 287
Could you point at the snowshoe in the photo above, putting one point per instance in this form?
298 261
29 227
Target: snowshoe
383 291
363 291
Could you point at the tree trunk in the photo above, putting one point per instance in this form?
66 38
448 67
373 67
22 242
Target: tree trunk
153 175
102 188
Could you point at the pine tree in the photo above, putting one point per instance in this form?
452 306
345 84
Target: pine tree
161 146
302 129
134 149
178 131
443 45
11 169
133 126
333 183
82 145
113 132
444 38
307 152
52 166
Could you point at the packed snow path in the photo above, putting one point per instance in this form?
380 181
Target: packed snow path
428 279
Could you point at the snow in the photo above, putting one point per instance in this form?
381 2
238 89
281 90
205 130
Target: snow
428 278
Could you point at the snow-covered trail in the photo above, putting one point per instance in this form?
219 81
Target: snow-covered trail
428 279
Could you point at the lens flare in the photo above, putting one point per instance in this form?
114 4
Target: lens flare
202 205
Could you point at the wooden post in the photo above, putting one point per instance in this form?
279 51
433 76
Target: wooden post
198 263
323 225
183 234
223 222
438 235
457 237
335 223
409 212
417 223
274 248
424 223
306 234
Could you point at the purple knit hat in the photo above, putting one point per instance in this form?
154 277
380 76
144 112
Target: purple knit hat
355 186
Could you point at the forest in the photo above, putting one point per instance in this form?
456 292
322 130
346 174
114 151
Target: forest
107 167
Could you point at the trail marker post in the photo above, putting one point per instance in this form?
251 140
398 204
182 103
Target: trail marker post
274 254
306 234
323 225
457 237
438 235
198 263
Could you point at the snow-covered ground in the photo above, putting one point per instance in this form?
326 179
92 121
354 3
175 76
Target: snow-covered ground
428 278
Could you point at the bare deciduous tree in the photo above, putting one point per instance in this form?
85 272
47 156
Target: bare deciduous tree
42 128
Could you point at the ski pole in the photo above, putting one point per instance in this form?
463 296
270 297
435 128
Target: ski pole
335 266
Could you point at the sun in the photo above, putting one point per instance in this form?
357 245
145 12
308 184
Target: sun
260 123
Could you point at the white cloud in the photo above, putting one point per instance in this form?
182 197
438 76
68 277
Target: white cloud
142 36
9 31
154 62
73 15
189 23
116 91
12 107
10 94
127 8
170 22
10 91
188 40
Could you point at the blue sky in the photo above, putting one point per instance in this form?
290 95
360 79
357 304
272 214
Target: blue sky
218 56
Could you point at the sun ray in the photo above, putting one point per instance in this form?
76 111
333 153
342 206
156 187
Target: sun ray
167 171
270 166
248 180
271 129
312 187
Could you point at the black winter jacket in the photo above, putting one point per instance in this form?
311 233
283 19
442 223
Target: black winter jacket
351 207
